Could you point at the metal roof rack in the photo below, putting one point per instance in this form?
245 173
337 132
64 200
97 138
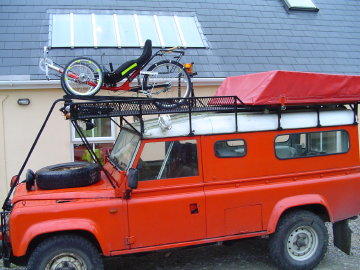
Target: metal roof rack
104 106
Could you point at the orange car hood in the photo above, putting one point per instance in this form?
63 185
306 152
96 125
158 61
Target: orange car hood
101 189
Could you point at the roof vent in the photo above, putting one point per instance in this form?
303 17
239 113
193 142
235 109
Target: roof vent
306 5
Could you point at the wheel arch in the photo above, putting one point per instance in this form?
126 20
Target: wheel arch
314 203
83 233
40 231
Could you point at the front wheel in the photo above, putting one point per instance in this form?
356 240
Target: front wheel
167 79
300 241
82 77
65 252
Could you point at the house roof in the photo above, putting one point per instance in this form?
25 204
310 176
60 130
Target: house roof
243 36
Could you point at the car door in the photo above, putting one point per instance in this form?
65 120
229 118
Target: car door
168 206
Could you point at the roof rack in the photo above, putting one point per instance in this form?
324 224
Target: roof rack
90 107
108 106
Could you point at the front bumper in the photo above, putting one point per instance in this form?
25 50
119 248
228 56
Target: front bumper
5 250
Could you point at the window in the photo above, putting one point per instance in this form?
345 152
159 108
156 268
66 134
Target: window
230 148
124 149
86 29
170 159
301 5
101 139
311 144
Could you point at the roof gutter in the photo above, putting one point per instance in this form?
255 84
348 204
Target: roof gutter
55 84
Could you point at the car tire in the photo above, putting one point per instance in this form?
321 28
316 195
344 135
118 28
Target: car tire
68 175
65 252
300 241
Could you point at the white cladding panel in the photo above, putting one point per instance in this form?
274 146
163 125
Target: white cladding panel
204 124
335 118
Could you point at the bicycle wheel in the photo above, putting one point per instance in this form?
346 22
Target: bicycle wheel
82 76
167 79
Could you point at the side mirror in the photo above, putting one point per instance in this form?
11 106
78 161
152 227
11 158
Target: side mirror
133 178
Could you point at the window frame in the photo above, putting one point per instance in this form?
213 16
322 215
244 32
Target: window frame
332 130
245 148
118 39
91 140
104 139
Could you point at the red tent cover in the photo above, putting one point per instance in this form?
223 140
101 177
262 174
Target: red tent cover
291 88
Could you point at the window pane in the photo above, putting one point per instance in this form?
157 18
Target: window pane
127 29
162 160
190 31
124 148
102 128
169 31
300 4
83 34
311 144
60 35
230 148
105 30
148 29
101 151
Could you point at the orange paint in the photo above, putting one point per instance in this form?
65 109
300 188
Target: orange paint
230 198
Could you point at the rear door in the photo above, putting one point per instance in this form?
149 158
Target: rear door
168 206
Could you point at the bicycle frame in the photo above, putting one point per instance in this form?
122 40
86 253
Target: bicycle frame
125 86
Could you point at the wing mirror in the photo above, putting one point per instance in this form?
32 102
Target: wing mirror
133 178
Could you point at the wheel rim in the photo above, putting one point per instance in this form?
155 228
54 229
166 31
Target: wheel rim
302 243
83 77
66 261
171 74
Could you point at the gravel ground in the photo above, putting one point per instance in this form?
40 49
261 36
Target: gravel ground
245 254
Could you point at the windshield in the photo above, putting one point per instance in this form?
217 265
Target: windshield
124 148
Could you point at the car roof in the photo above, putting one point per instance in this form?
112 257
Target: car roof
222 123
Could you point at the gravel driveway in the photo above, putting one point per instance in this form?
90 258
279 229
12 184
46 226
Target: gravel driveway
245 254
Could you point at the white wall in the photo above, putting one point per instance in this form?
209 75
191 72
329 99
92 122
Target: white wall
19 126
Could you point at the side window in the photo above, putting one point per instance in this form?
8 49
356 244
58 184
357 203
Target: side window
170 159
311 144
230 148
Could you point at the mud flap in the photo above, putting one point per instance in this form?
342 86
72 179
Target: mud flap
342 236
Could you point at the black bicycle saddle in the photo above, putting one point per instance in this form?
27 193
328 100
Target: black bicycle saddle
129 66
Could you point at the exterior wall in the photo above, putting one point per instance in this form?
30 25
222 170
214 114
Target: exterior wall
19 127
20 124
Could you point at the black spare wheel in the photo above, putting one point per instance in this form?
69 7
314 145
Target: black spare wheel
68 175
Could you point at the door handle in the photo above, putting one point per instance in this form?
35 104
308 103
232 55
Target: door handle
194 208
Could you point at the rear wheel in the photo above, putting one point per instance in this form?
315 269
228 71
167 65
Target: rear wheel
167 79
300 241
82 77
69 252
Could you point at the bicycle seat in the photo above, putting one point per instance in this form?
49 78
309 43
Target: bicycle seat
129 66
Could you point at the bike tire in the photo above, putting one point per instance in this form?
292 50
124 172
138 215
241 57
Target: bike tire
171 103
88 71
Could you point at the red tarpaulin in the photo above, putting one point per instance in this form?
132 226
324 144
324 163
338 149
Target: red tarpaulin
288 87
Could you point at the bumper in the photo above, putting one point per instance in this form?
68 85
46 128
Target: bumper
4 245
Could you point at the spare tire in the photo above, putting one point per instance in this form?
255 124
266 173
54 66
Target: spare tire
68 175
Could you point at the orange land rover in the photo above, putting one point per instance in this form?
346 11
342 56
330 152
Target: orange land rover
280 159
